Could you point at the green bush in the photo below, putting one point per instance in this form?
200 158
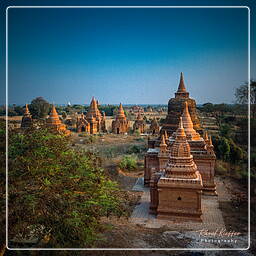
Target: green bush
134 149
128 163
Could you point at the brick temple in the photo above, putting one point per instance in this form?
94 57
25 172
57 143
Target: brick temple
95 118
54 123
154 127
175 191
201 147
175 108
93 122
120 125
139 124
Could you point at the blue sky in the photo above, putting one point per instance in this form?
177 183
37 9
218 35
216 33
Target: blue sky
126 55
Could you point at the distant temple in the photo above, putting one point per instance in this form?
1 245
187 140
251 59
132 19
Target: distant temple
54 123
201 147
120 125
175 107
154 127
139 124
175 192
82 125
93 122
27 120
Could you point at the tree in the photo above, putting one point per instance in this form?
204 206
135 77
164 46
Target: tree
207 107
55 191
225 130
39 108
241 95
236 153
224 148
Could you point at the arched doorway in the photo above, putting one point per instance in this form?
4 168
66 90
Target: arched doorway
117 130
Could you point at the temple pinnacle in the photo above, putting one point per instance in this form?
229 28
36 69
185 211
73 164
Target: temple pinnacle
181 87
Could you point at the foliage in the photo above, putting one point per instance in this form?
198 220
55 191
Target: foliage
225 130
39 108
63 190
108 109
220 109
207 107
241 95
88 139
224 148
134 149
2 184
236 153
128 163
227 150
137 132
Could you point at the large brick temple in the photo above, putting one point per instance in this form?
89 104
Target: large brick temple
175 191
175 108
156 158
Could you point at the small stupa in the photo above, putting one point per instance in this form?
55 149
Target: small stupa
54 123
139 124
154 127
120 125
27 120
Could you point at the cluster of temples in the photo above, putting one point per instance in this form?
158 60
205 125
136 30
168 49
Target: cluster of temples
92 122
179 163
53 122
180 160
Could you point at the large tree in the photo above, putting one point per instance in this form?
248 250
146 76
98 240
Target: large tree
56 192
242 94
39 107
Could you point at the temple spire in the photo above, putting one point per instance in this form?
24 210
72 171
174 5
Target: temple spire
162 141
180 133
188 124
120 113
121 107
181 92
163 145
181 87
27 110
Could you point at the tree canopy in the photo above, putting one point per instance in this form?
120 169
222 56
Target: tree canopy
242 94
56 191
39 107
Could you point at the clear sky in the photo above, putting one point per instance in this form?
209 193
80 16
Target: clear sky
131 56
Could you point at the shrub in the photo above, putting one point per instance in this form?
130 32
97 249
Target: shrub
128 163
134 149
